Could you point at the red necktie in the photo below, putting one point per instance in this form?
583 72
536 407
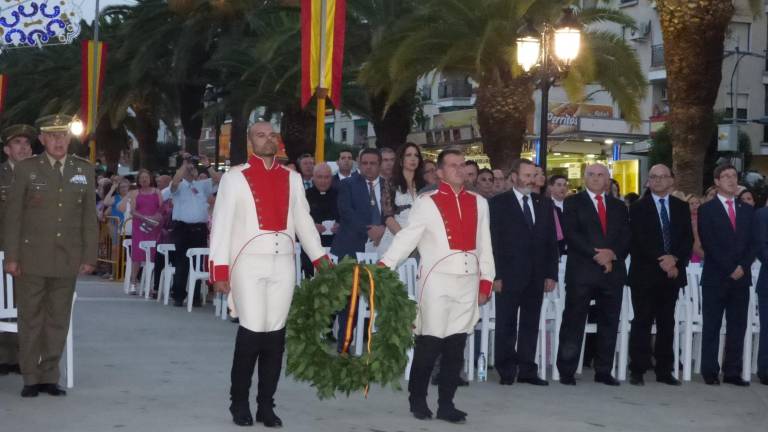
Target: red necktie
731 213
601 213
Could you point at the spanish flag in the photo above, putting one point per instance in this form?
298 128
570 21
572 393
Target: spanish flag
323 23
92 76
3 90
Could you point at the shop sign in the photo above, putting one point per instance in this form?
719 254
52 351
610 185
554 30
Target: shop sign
563 116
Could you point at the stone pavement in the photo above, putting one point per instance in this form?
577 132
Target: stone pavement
140 366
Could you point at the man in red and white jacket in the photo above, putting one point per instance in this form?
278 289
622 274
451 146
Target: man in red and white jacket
450 228
260 209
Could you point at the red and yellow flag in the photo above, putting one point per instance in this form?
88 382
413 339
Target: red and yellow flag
323 23
94 62
3 90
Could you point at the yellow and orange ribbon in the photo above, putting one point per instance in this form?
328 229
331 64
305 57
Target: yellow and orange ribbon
354 295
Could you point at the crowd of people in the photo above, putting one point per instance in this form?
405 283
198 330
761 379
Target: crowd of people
475 232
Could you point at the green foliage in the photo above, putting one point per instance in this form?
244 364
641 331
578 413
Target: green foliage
311 359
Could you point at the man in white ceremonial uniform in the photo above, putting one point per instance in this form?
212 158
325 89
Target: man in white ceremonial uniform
260 209
450 228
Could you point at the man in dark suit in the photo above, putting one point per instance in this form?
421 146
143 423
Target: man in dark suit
662 239
725 229
558 190
597 232
345 164
361 224
526 256
761 240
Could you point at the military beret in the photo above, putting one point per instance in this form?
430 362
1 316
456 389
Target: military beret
16 130
54 123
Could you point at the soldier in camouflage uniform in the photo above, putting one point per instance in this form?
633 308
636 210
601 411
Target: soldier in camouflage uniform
17 145
50 236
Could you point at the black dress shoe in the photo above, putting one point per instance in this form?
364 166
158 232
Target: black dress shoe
506 381
567 380
52 389
463 382
711 380
241 414
451 415
419 408
30 391
636 379
606 379
668 379
178 303
736 380
763 378
197 303
533 381
266 415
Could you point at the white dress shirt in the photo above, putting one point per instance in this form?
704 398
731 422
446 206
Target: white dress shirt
593 196
725 205
519 197
558 204
656 199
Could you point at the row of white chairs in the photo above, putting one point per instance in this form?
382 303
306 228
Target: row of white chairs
9 315
687 334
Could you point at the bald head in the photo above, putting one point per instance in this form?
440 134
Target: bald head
596 178
263 139
660 180
322 177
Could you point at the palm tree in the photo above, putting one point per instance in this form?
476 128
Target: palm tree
694 36
477 39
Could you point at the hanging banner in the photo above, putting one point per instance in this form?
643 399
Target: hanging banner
323 24
3 90
30 23
93 64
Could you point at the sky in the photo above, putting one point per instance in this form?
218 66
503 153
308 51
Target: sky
88 7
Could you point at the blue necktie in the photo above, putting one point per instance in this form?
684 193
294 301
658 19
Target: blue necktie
527 212
665 233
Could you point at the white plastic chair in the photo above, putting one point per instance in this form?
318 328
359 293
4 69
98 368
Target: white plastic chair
166 276
487 326
198 260
147 274
128 266
297 257
363 311
409 273
691 325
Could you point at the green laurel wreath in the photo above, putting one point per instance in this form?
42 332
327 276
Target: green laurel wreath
312 358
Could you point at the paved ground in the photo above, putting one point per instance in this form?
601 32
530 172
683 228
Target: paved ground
141 366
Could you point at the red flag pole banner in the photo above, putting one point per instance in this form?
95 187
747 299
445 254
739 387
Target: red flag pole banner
93 56
323 25
3 91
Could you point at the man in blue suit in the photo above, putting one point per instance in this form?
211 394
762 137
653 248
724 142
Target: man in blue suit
761 239
361 224
725 229
360 221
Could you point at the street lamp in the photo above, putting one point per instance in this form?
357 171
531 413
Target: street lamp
553 49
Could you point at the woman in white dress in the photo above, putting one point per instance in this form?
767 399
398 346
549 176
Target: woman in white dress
407 179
